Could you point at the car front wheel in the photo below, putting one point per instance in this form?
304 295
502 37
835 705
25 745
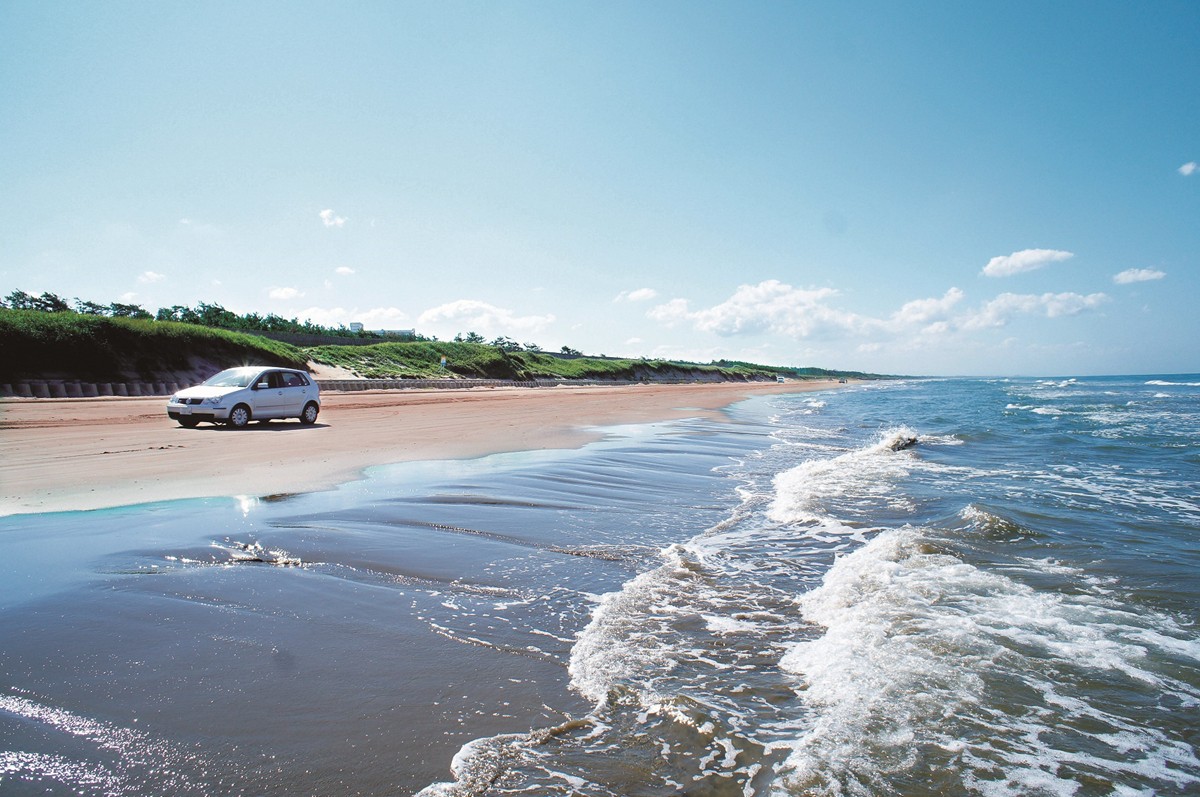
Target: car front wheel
239 416
309 416
188 423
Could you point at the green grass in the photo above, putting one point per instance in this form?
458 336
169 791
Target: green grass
473 360
99 348
420 360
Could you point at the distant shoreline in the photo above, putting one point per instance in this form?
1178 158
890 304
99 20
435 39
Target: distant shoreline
93 453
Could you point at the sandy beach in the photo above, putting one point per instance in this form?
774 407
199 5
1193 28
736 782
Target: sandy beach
79 454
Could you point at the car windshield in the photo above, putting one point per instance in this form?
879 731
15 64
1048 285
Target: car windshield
234 377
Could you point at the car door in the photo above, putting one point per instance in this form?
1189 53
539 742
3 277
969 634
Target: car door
295 393
269 396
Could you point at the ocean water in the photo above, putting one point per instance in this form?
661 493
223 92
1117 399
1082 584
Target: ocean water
928 587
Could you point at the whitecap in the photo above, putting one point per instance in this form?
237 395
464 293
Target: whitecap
922 651
803 492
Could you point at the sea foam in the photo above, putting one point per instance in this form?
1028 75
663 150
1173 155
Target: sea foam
803 494
929 665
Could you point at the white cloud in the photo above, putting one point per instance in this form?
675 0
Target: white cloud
382 318
344 271
770 306
1138 275
147 277
638 295
999 311
669 313
1059 304
819 329
370 318
1189 168
331 219
471 315
284 293
925 311
761 353
1025 260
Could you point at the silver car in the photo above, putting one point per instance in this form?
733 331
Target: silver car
237 396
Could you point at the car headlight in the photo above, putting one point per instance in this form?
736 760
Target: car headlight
213 400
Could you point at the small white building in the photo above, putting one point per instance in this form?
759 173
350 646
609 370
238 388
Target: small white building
357 326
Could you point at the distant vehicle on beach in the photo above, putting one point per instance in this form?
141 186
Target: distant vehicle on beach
237 396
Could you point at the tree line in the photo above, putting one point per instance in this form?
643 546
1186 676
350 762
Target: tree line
203 314
505 343
214 315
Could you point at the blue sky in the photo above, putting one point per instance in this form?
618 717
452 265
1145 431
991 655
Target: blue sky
926 188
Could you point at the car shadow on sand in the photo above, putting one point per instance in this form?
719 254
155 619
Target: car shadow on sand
257 426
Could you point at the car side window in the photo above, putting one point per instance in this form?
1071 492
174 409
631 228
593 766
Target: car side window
292 380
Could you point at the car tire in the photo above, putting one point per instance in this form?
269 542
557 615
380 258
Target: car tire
309 416
239 416
188 423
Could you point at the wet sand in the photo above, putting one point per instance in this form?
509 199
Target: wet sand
78 454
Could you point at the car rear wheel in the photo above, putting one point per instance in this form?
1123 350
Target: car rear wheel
309 416
239 416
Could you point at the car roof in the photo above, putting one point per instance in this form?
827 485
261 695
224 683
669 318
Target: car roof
257 368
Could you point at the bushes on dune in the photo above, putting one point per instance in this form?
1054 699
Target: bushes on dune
476 360
98 348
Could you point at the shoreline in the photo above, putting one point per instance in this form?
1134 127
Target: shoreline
82 454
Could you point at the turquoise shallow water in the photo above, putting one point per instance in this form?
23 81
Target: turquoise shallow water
926 587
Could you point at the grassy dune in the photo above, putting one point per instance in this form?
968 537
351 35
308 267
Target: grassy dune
99 348
423 360
68 345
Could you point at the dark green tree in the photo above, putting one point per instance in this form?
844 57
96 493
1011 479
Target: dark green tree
178 312
118 310
505 344
214 315
19 300
89 308
51 303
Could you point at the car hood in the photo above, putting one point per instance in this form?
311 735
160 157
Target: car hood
206 391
